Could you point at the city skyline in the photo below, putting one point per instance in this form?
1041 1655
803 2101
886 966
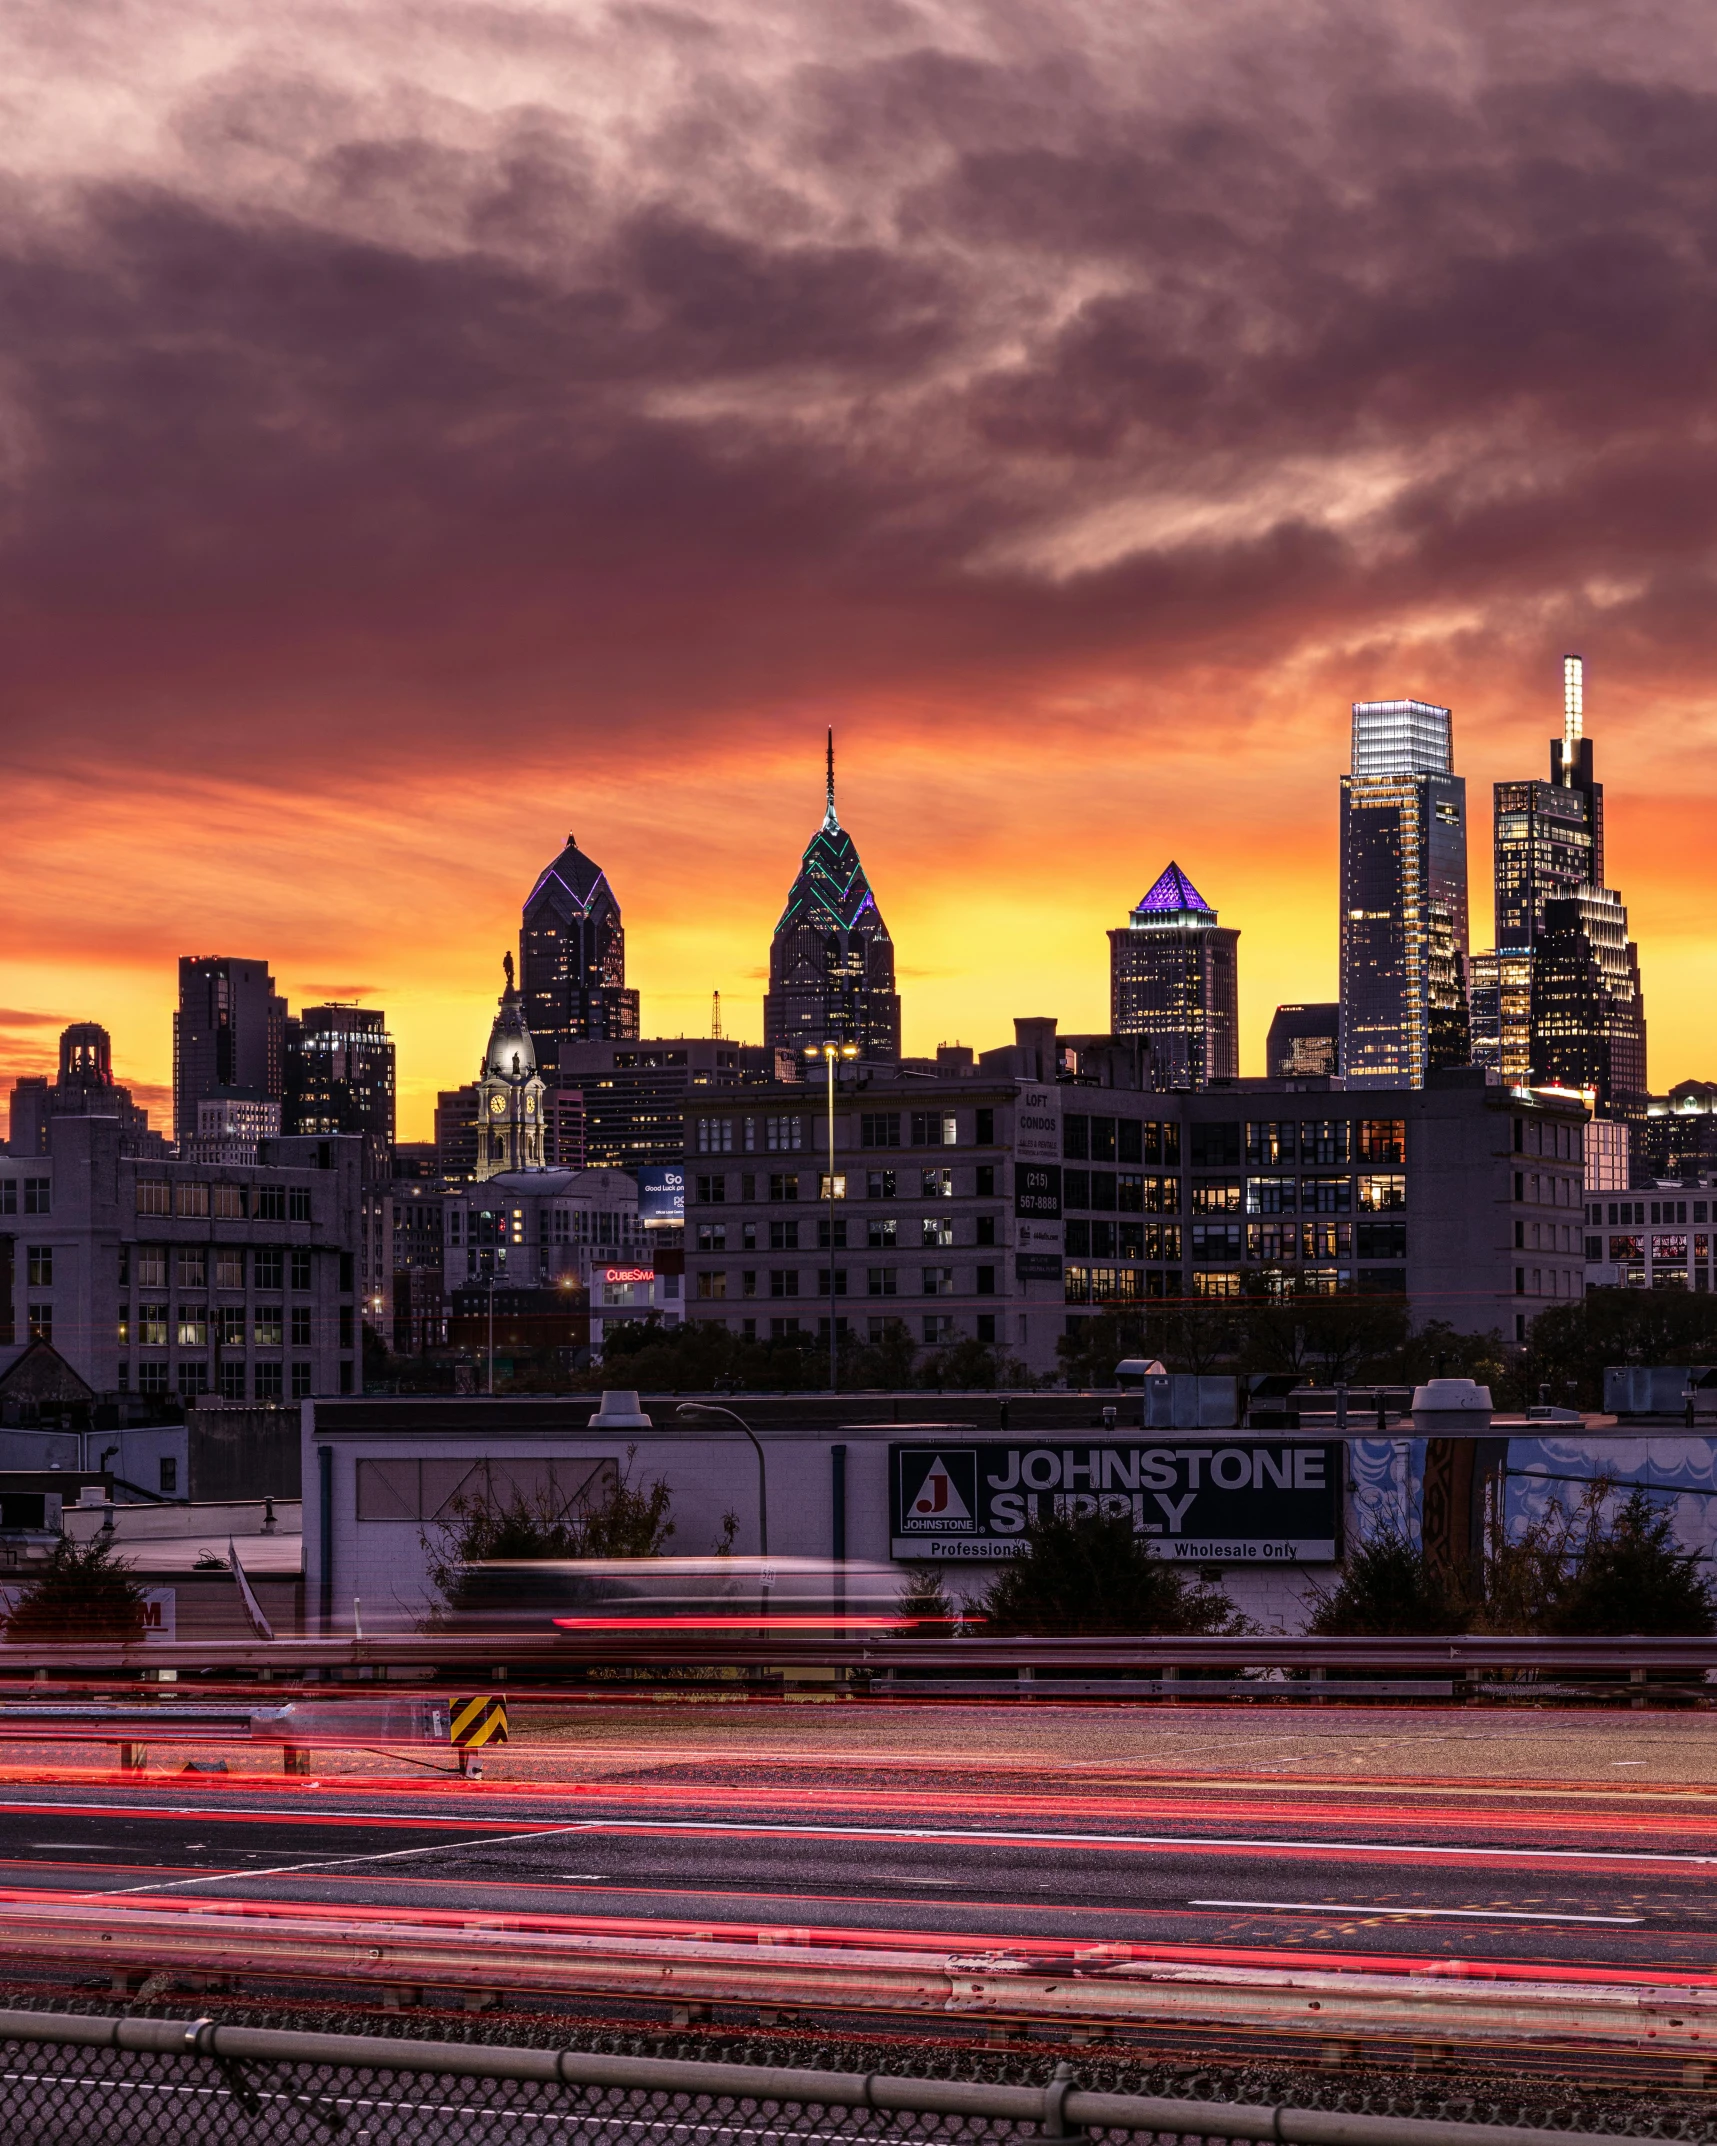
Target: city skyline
1082 977
871 412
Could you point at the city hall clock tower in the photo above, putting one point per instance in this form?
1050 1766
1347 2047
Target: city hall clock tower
509 1092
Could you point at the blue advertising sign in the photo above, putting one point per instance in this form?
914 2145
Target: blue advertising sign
661 1193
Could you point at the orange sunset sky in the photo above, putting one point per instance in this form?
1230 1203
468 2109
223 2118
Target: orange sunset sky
426 431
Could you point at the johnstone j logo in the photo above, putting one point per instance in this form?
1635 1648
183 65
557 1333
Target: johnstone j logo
938 1492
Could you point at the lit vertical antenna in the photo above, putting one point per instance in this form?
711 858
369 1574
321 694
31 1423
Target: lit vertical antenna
715 1016
1573 704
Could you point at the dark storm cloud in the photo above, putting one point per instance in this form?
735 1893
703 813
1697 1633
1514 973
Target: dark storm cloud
840 374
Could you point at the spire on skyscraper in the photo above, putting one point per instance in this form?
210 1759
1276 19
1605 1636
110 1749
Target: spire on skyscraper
1573 710
831 963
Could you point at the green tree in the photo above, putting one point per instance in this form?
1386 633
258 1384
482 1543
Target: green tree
80 1591
964 1367
1385 1587
1568 1347
1090 1573
1321 1338
1630 1577
476 1556
924 1601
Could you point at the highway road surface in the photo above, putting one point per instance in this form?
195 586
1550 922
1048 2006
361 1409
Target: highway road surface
1334 1835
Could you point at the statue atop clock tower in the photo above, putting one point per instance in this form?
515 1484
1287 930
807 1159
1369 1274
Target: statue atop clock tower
509 1092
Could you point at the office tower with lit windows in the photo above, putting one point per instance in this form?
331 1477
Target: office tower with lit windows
1304 1042
831 961
1174 981
1588 1011
1549 836
229 1034
1499 991
572 959
1403 897
1569 1007
340 1074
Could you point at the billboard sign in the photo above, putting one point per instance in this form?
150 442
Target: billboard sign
1250 1501
1037 1190
661 1194
1037 1122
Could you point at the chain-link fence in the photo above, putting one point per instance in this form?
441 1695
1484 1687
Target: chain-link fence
142 2080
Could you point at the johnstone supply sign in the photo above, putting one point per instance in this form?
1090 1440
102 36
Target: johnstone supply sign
1251 1502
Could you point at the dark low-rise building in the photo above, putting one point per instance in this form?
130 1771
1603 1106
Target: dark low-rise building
998 1206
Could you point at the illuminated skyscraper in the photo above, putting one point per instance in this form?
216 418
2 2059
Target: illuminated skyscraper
1588 1011
1304 1041
1549 835
1403 897
1500 997
1567 971
1173 979
831 962
572 958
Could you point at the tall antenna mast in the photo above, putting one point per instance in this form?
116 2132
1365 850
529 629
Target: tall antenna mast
715 1015
829 819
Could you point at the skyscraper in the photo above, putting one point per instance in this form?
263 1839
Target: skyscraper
229 1033
1304 1042
831 962
340 1074
1570 1012
1549 835
1588 1011
1174 980
572 958
1403 896
1500 999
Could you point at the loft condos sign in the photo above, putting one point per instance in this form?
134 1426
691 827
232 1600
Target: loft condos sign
1258 1501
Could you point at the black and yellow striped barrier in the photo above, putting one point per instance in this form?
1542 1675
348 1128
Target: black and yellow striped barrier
473 1722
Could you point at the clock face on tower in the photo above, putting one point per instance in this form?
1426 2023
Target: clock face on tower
497 1105
530 1106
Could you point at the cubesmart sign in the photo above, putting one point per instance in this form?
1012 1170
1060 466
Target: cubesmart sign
1253 1501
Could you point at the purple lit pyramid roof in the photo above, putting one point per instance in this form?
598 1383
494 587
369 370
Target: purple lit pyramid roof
1174 895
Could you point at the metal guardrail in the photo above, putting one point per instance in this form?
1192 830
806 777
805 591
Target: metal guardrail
1458 1654
63 2076
1106 1988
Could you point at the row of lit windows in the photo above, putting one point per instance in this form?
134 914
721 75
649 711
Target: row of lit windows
149 1326
728 1136
878 1233
712 1286
937 1329
200 1266
196 1198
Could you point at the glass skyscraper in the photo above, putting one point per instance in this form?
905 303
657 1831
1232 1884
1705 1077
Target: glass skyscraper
831 961
572 959
1403 897
1569 1009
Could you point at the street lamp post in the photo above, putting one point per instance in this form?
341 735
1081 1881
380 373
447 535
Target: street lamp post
831 1055
709 1408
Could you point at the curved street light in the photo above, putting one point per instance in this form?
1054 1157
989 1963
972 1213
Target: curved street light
709 1408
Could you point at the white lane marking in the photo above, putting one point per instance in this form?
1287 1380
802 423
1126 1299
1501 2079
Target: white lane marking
1346 1910
332 1862
1140 1840
900 1833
